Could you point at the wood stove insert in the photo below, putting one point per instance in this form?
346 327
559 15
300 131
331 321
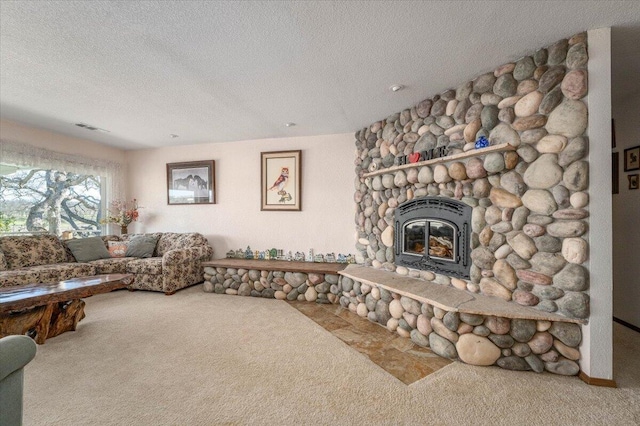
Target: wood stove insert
433 233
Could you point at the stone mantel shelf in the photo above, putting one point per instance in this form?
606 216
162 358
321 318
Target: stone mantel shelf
469 154
448 298
277 265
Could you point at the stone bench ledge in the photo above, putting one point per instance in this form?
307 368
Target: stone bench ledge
448 298
277 265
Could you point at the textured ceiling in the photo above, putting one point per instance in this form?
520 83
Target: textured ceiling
226 71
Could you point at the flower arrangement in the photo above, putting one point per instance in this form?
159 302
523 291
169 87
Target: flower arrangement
122 213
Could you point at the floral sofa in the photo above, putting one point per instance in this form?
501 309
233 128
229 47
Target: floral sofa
176 262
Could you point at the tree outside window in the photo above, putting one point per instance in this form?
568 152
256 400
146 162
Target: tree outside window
51 201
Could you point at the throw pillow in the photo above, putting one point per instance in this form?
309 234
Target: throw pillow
87 249
142 246
118 248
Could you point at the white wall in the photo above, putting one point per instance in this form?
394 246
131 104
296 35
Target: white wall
15 132
326 222
626 215
597 342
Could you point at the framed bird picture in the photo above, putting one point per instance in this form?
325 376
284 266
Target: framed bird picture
281 180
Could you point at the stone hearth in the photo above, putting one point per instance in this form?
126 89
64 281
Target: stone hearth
457 325
454 324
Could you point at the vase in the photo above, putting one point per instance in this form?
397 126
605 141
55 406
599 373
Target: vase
123 229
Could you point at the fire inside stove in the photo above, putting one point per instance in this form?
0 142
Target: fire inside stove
439 235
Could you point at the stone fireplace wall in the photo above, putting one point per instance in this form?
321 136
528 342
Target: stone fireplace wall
530 205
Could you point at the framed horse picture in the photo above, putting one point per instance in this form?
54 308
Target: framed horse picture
191 182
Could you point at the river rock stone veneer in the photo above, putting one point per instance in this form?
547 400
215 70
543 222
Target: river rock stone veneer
530 205
513 344
282 285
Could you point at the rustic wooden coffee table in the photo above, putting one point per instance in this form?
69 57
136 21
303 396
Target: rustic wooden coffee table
46 310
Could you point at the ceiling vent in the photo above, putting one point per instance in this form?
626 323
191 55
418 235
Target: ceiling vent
92 128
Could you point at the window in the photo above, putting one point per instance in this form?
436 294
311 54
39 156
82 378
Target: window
36 200
72 190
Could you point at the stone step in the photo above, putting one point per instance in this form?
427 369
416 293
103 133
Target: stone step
448 298
277 265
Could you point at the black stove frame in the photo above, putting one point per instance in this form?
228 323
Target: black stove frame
452 212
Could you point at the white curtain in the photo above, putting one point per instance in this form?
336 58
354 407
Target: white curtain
28 156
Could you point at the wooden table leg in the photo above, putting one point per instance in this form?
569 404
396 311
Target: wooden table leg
44 321
66 317
21 322
42 329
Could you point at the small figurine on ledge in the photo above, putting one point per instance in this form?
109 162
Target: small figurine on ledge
482 142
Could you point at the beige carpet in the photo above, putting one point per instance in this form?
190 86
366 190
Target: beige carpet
197 358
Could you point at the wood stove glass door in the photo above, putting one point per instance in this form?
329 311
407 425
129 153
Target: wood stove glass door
442 241
414 237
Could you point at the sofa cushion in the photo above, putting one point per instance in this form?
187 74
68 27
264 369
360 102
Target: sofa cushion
171 241
32 250
118 248
107 238
21 276
142 246
63 271
129 237
87 249
46 273
114 265
152 266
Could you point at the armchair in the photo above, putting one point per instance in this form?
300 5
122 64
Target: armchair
15 353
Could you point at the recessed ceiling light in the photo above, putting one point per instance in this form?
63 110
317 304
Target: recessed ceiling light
396 87
173 136
289 124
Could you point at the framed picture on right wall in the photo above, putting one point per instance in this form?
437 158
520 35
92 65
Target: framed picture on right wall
632 159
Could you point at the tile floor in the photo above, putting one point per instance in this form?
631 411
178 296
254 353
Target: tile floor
398 356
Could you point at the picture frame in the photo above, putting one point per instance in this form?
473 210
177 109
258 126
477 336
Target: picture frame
633 181
281 180
191 182
632 159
